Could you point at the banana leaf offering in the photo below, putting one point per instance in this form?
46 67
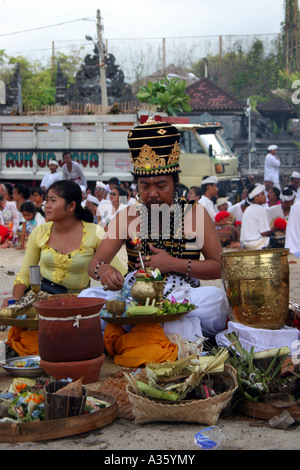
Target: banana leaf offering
184 379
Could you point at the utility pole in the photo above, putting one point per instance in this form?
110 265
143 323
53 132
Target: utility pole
248 113
53 61
163 59
102 61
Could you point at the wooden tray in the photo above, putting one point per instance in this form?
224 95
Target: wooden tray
267 411
57 428
137 319
29 323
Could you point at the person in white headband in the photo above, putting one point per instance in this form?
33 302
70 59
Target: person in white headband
295 184
209 192
92 204
255 229
258 188
209 180
93 199
51 177
281 211
272 165
287 195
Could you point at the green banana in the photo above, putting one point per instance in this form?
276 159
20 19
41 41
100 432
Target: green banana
141 310
155 393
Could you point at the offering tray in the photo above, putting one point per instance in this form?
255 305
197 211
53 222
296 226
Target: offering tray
23 314
148 314
11 366
29 323
57 428
137 319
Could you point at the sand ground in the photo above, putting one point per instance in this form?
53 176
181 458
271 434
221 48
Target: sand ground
240 433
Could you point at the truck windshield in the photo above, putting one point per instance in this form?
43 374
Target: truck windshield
219 147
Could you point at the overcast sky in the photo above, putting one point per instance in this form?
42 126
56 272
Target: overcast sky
128 19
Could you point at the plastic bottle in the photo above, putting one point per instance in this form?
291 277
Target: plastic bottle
210 438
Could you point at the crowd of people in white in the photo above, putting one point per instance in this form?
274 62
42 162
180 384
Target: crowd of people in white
267 215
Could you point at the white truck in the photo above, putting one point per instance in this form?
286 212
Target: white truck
99 144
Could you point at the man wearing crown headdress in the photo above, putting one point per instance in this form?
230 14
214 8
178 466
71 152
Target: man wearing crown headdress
172 235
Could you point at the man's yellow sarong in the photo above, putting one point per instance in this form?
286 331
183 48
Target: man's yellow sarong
144 343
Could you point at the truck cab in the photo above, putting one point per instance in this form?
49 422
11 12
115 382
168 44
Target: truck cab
205 152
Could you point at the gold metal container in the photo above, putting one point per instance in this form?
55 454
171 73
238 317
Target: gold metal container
257 286
144 289
116 307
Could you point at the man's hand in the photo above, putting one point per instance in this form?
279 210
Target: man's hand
160 259
111 277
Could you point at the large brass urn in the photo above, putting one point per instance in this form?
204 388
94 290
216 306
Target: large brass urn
257 286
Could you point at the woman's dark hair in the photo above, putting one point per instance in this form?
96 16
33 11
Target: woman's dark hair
121 191
24 190
28 206
71 192
276 191
9 188
37 190
114 180
197 190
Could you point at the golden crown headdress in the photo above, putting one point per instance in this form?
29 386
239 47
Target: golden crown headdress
154 148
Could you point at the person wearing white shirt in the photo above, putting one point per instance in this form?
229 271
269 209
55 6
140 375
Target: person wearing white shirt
292 237
272 164
239 208
73 170
282 210
255 228
295 184
51 177
117 202
210 190
100 191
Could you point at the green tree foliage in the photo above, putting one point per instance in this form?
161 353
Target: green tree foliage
167 94
38 80
70 63
244 74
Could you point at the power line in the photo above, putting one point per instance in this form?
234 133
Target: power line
45 27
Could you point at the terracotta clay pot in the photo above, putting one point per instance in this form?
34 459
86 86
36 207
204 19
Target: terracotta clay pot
70 329
88 371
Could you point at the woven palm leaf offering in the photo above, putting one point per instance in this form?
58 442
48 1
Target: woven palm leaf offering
260 374
192 389
175 381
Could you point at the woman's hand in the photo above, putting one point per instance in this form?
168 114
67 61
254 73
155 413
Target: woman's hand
5 302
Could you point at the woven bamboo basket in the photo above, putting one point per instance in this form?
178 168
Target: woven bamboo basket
204 411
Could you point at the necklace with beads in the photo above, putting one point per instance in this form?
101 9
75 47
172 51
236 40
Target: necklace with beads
170 238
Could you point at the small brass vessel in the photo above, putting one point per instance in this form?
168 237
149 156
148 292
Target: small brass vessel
116 307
